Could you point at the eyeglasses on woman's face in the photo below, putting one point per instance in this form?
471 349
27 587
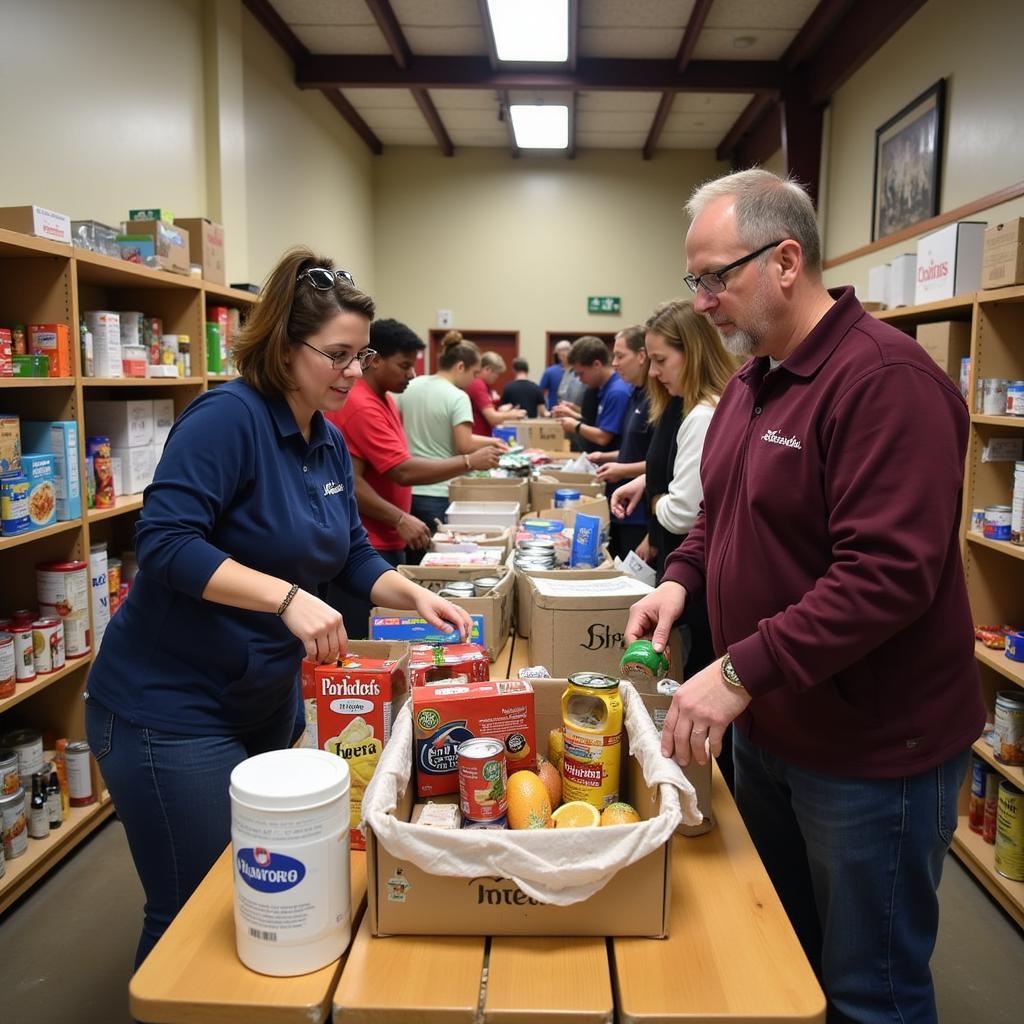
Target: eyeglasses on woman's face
712 281
323 280
343 360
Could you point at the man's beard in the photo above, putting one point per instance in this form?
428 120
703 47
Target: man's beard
741 344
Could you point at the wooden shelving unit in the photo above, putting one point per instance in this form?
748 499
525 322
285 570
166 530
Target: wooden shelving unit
994 569
44 282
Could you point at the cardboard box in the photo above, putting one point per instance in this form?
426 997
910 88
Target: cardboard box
6 366
1002 257
579 625
524 595
59 438
482 488
42 493
137 466
404 900
395 624
495 608
170 243
587 504
452 539
878 284
151 213
128 424
947 342
902 280
35 220
163 420
10 443
349 709
546 434
949 261
52 341
430 663
499 514
543 487
205 246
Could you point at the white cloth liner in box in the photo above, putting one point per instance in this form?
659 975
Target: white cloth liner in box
557 866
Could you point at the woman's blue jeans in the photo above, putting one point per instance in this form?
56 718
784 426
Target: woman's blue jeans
171 794
856 863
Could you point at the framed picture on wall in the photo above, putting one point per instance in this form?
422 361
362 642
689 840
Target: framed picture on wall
908 151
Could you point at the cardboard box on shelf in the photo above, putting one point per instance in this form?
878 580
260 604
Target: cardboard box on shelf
878 284
52 341
403 899
947 342
949 261
10 443
39 468
579 625
163 420
543 487
902 280
151 213
484 488
1002 258
494 608
128 424
136 468
60 438
206 246
170 243
38 221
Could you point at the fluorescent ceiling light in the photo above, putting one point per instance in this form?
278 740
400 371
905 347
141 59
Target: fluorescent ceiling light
530 30
537 127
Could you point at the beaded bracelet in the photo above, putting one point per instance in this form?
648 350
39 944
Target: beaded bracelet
288 600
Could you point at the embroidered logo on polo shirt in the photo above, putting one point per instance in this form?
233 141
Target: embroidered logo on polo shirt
333 488
774 437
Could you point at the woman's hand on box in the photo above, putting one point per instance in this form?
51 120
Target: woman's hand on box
443 614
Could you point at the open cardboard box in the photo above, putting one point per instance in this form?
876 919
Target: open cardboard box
495 607
587 505
402 899
543 487
524 595
489 537
546 434
485 488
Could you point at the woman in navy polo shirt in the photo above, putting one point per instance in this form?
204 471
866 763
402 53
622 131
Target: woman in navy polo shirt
251 512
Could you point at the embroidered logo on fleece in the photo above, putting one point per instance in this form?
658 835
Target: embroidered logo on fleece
333 488
774 437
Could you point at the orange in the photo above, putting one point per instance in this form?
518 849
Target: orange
576 814
556 747
552 780
529 805
619 814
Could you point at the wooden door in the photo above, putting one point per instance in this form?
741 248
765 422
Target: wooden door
505 343
554 337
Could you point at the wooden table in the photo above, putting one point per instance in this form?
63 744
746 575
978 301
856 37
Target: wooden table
731 955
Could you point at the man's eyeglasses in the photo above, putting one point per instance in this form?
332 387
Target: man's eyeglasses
323 280
712 281
342 360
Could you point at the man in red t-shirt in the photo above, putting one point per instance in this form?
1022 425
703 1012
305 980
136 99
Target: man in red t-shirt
384 470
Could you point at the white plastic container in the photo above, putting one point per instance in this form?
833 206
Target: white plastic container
491 514
290 847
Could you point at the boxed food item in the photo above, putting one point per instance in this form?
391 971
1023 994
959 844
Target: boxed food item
393 624
170 243
6 351
430 663
60 438
949 261
52 341
105 327
96 237
42 495
543 487
349 710
493 608
35 220
447 714
947 342
10 443
128 424
151 213
484 883
488 488
1002 258
206 246
137 466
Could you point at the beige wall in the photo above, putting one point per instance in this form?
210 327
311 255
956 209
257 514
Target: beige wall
976 48
520 244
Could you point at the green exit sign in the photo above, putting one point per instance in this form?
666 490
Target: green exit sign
604 304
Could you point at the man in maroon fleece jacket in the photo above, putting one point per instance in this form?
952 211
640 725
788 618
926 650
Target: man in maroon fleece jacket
828 550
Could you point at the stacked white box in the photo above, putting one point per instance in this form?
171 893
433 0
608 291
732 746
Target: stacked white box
949 261
902 280
133 469
130 425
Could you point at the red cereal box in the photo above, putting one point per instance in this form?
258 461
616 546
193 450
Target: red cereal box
6 363
467 663
445 715
349 709
52 340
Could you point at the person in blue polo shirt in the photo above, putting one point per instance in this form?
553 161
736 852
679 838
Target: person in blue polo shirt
251 512
589 358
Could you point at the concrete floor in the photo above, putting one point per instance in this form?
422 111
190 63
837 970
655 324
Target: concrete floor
66 949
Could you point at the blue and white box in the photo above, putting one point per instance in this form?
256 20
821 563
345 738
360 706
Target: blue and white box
42 492
59 438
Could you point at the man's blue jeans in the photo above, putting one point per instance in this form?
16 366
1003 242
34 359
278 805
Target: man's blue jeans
171 794
856 863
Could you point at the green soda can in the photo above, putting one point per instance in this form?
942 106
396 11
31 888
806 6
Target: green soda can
642 663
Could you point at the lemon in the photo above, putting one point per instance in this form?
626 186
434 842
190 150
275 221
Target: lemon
576 814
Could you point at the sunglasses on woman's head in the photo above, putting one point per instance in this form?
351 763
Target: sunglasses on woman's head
323 280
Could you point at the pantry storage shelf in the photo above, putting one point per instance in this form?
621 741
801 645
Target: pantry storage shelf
1004 547
140 382
6 543
41 682
960 307
979 857
1013 772
998 421
1012 670
37 382
123 504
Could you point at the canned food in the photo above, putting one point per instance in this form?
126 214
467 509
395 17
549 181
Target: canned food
993 396
565 497
24 660
25 616
7 676
997 522
452 595
977 520
47 645
1009 852
113 584
483 780
1015 398
63 589
1009 727
461 587
484 585
542 526
642 663
15 823
501 822
14 490
76 765
980 772
592 721
27 745
10 777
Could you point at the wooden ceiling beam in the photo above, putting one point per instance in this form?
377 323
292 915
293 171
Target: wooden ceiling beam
322 71
350 114
744 124
571 152
433 118
692 33
384 14
574 33
660 117
816 29
764 139
488 27
504 114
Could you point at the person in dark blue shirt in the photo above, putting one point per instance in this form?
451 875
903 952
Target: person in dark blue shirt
251 512
551 378
589 358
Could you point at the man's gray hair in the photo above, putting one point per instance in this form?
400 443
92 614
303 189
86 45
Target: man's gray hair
767 208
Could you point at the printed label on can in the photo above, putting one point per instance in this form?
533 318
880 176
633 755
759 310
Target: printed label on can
483 779
63 589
